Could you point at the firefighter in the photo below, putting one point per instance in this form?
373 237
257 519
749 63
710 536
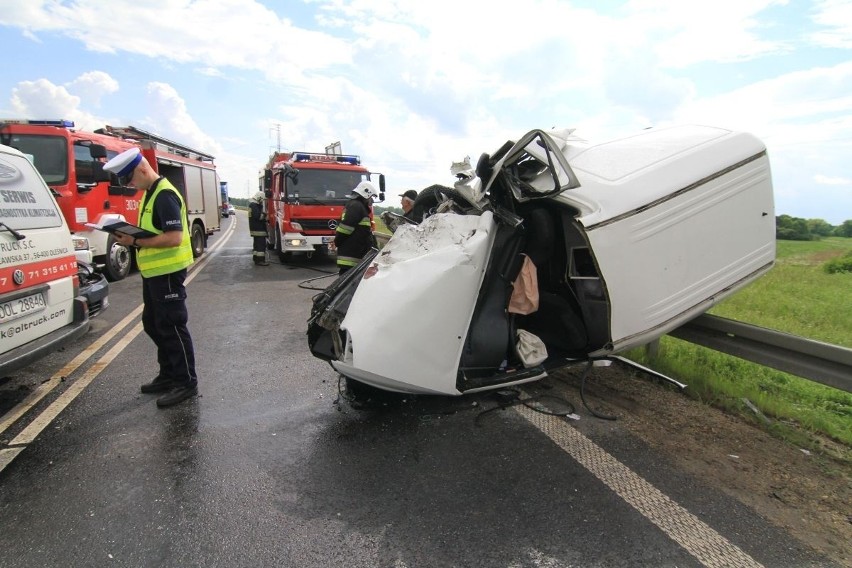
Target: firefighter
353 237
257 229
163 260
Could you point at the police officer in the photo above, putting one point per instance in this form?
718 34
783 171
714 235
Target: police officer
354 236
163 260
257 229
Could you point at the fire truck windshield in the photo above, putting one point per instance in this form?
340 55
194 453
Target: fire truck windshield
49 155
325 186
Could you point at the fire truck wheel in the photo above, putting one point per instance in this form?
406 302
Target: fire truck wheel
198 240
117 261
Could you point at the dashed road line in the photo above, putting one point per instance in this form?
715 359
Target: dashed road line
696 537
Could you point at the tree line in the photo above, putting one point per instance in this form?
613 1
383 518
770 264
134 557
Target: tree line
797 229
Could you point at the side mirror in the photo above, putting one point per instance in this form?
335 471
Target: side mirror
98 151
267 180
381 187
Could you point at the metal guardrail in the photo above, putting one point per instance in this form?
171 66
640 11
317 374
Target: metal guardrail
820 362
381 239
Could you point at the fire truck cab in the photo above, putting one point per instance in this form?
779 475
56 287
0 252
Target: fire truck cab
71 163
306 195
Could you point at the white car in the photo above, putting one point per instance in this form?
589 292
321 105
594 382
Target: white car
626 241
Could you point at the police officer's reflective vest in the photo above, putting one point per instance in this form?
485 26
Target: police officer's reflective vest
154 261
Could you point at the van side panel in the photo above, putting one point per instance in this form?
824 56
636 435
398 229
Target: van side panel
39 310
667 263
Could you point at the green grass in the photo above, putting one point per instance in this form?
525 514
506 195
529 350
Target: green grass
380 226
797 297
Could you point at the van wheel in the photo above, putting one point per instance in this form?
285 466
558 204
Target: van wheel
429 199
198 240
118 260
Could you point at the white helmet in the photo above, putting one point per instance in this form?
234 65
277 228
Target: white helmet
366 190
258 197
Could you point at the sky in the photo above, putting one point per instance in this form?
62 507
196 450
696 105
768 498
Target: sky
412 86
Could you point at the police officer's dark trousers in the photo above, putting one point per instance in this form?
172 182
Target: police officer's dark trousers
164 318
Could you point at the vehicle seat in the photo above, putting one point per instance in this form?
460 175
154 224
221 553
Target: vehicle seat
540 243
489 341
558 321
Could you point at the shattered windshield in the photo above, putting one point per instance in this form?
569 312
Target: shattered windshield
535 167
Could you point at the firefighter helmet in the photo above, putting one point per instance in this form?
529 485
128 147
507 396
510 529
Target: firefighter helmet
366 190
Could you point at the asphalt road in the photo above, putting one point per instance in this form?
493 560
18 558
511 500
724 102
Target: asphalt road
266 468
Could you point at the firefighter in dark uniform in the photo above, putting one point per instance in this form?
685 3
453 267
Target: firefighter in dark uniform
257 229
353 237
163 260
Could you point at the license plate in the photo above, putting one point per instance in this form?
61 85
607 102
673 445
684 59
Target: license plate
326 240
20 307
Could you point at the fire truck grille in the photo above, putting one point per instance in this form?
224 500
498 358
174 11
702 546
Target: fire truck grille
315 224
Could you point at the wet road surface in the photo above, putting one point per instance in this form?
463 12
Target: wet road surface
267 468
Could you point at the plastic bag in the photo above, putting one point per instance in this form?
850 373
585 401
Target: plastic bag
524 298
531 349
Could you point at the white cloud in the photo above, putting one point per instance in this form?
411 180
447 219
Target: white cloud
92 86
826 180
44 100
836 17
414 85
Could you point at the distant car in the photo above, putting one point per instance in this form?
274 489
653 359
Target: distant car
228 210
551 251
231 210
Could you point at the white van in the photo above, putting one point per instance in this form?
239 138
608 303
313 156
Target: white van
618 243
40 309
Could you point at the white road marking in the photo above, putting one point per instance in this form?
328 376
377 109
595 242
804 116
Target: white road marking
47 416
7 455
700 540
25 405
34 428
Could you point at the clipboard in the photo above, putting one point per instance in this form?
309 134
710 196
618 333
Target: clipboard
122 227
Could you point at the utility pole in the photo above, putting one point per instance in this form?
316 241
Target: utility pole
277 129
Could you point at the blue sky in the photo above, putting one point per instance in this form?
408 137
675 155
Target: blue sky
412 86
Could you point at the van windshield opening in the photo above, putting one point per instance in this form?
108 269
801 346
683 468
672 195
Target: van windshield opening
50 155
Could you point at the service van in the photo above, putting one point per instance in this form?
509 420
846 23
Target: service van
552 250
40 305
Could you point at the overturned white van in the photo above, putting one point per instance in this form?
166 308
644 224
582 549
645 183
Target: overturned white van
623 241
39 305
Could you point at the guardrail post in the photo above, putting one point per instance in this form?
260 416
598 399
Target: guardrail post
652 349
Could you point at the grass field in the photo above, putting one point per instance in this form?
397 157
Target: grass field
797 297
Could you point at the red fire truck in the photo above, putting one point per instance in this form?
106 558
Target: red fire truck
306 194
71 162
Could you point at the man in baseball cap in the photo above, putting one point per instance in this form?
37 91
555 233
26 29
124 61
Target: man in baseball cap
408 201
